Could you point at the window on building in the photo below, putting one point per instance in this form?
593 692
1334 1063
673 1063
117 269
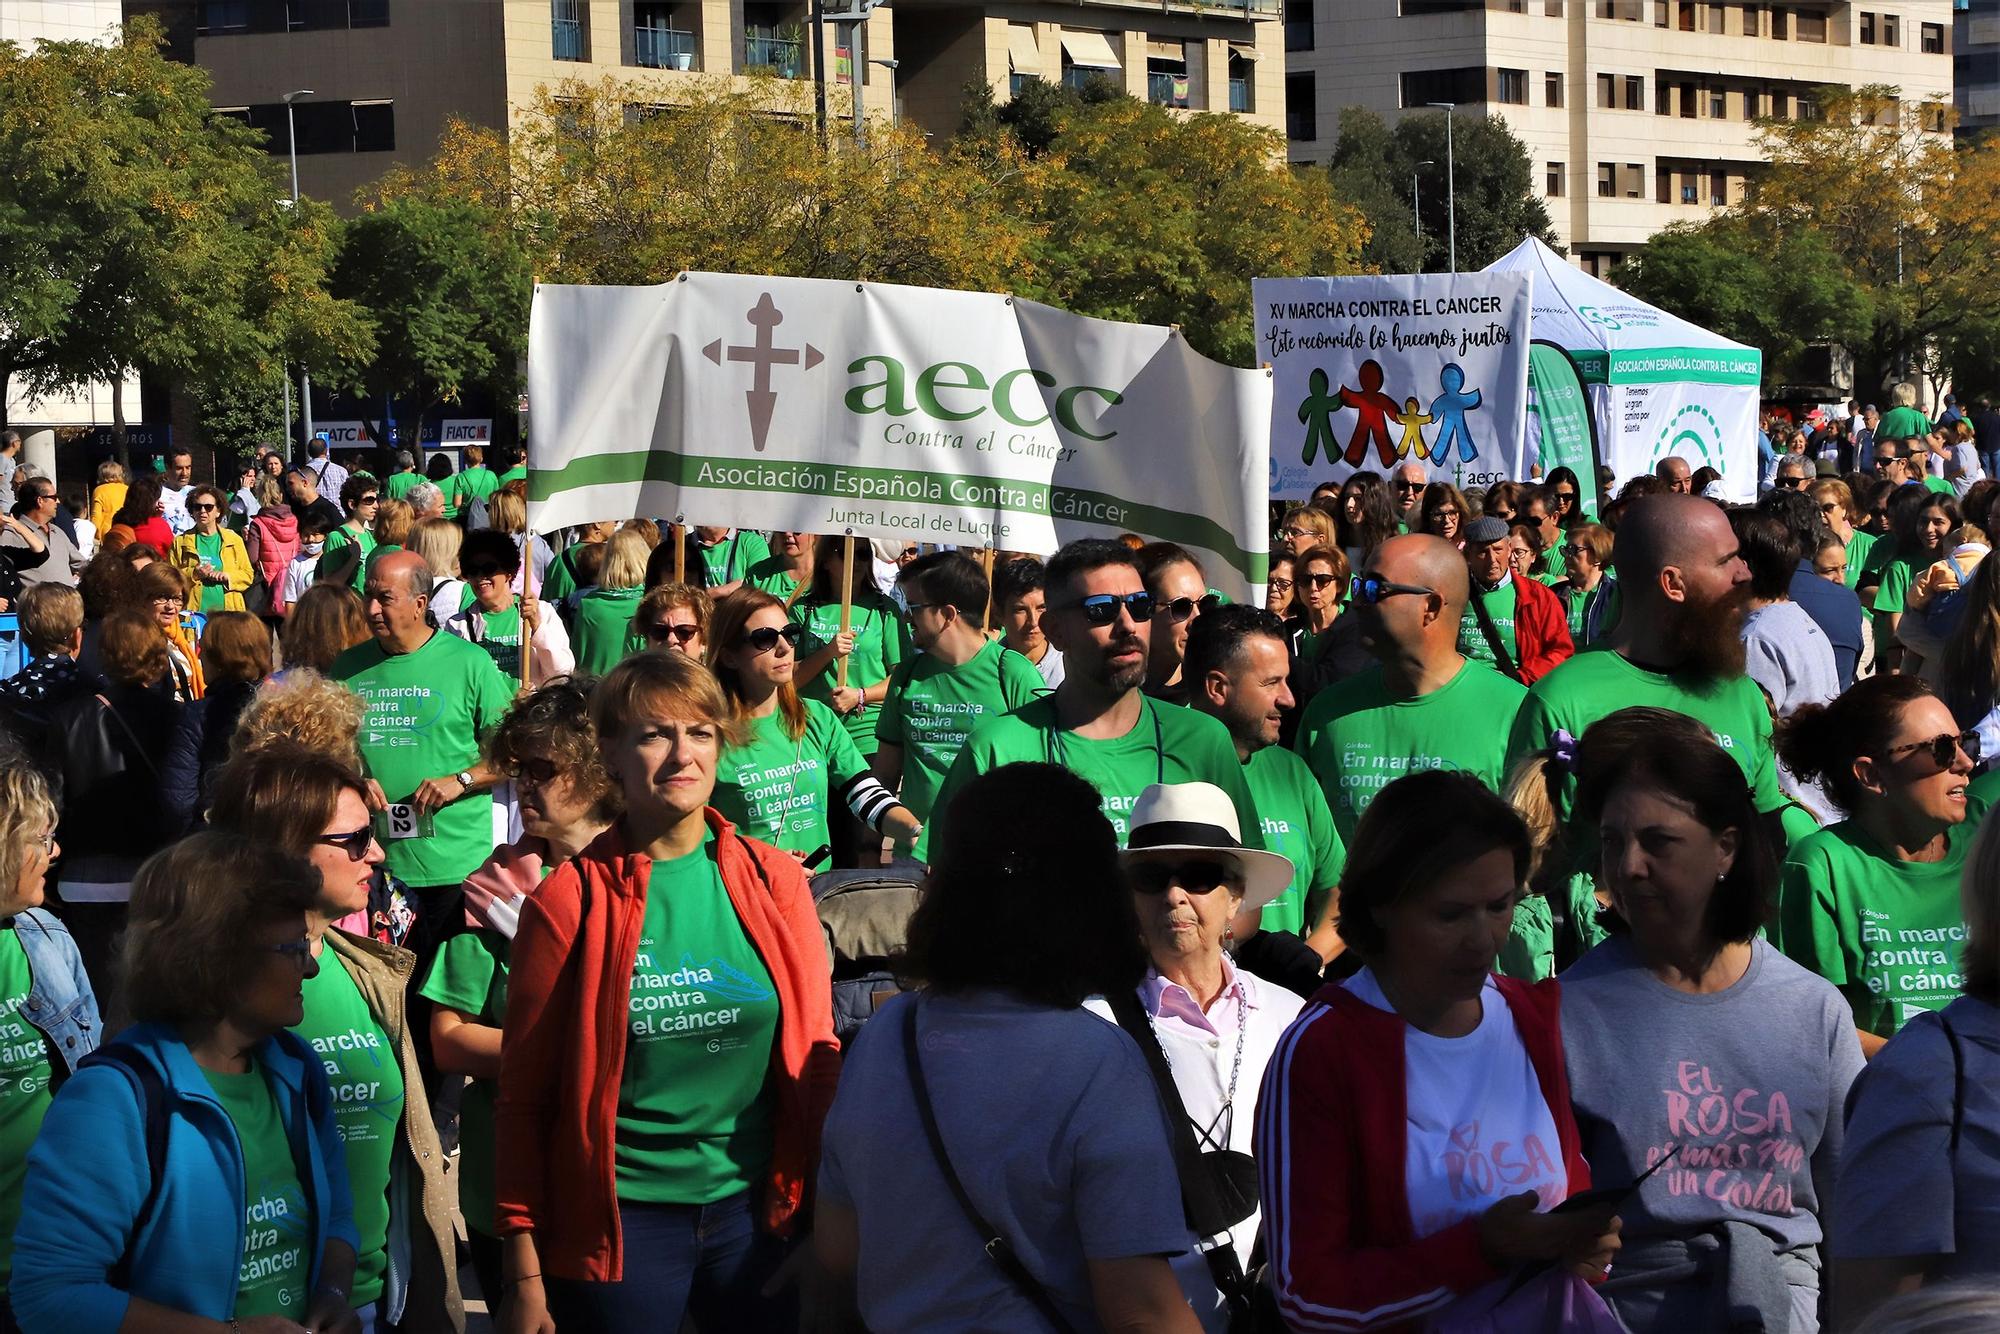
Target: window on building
1552 89
1690 190
1607 179
367 13
1781 23
217 16
1714 15
1753 21
1809 107
566 18
1865 29
1811 26
774 45
1932 39
1242 82
1635 180
1635 92
1718 104
374 127
1662 14
1684 18
1781 105
1718 190
1511 87
1687 100
1301 108
663 38
366 126
1463 86
1607 90
1553 8
1892 31
1555 180
1167 83
1298 25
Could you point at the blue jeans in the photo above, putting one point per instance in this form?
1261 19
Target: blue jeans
708 1260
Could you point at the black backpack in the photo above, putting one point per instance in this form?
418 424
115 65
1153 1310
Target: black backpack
865 914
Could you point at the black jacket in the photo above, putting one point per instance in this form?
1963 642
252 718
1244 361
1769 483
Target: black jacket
110 754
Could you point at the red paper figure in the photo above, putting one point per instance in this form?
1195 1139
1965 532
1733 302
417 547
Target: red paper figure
1374 409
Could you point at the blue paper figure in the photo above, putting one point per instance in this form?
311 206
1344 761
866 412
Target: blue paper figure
1448 410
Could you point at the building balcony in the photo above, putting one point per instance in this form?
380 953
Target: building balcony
783 56
663 48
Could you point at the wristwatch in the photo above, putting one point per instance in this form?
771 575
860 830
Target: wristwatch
465 780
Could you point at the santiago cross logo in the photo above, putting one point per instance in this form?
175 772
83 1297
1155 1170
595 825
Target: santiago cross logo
760 400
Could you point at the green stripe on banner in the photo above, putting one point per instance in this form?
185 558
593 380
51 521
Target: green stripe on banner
1686 365
840 481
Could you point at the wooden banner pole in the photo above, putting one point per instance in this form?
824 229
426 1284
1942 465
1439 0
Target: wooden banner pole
846 605
679 540
986 564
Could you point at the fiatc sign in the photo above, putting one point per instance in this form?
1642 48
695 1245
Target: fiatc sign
898 412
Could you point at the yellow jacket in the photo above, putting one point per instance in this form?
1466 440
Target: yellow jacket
235 566
105 501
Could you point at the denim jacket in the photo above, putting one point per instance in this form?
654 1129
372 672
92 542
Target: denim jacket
60 1004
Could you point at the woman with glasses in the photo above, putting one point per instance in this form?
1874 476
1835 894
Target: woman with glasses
1871 903
547 748
1836 505
675 616
344 558
1180 594
212 556
309 805
1444 513
1524 550
1586 553
491 564
165 587
1303 528
1565 493
1278 598
604 615
1323 648
669 1040
790 757
188 1176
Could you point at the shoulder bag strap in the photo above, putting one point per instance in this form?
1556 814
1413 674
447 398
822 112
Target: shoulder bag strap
126 728
1501 657
995 1245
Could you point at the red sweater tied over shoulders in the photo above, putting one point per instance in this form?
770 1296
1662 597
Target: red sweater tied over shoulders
569 988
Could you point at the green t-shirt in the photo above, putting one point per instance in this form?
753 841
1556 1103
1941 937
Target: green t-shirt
470 975
499 633
1858 549
339 540
1297 824
24 1091
734 557
561 579
1553 569
1888 933
424 714
517 473
212 597
1599 681
1880 552
1939 486
366 1075
277 1220
1893 595
1577 603
1902 422
398 485
694 1113
881 642
475 483
604 635
771 575
1357 739
780 790
1168 744
1500 604
932 707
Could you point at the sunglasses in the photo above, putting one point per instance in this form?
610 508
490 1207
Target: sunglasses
1102 608
369 500
1789 483
1829 507
1411 486
766 639
1572 549
202 507
1565 497
1372 588
1196 877
1182 609
1320 580
1943 748
299 951
537 769
657 633
354 844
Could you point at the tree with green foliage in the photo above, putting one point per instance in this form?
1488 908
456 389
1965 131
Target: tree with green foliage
448 287
1487 165
140 231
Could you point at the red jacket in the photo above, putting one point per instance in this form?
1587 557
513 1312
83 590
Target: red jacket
1331 1150
1541 629
568 989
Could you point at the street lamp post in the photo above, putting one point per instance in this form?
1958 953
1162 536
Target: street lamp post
1451 180
895 113
305 377
1416 205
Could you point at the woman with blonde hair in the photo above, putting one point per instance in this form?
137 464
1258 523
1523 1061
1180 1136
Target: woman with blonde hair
304 707
107 497
604 616
326 621
507 512
438 542
393 521
675 616
1303 528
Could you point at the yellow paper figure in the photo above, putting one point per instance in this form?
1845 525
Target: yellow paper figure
1414 419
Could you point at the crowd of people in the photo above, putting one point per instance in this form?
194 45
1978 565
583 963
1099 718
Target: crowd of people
1547 910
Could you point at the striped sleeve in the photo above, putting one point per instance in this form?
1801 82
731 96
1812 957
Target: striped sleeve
1322 1225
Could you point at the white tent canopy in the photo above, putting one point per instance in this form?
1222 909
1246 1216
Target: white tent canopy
1658 385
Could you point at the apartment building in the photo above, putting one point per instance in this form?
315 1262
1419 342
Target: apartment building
386 75
1637 113
1975 58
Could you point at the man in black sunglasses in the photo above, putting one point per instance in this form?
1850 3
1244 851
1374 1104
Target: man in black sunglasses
1098 723
1426 706
1180 594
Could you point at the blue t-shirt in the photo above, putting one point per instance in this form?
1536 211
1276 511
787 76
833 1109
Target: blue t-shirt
1053 1125
1901 1189
1836 610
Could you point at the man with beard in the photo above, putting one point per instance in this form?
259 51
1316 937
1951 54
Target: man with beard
1511 623
1236 668
1426 705
1098 723
1677 645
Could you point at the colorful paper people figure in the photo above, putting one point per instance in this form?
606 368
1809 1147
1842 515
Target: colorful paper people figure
1373 409
1449 409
